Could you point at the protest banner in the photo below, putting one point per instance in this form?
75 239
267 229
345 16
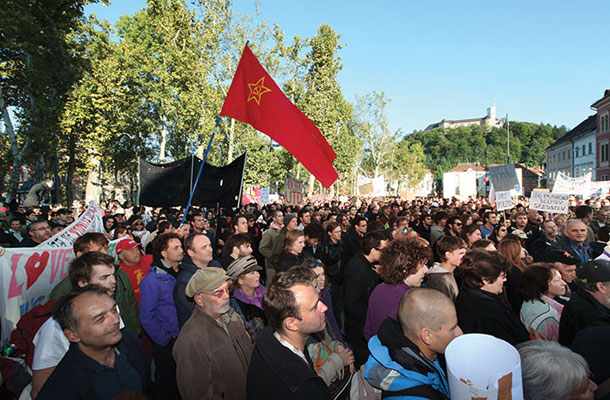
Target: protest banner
366 189
551 202
265 195
504 201
293 192
578 186
504 178
28 274
495 375
599 189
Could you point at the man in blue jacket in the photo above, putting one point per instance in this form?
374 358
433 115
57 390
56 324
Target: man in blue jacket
158 311
403 361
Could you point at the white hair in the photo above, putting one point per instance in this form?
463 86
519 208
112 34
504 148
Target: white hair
551 371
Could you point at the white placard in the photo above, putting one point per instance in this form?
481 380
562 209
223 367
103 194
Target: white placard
496 374
580 185
504 201
551 202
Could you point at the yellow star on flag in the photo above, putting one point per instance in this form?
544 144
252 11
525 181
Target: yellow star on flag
257 90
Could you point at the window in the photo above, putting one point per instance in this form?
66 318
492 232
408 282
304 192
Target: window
604 122
576 152
590 148
603 153
583 150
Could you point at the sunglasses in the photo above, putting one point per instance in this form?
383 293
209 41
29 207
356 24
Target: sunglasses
315 263
218 293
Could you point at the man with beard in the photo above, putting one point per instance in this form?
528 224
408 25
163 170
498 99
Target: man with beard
103 361
213 349
281 367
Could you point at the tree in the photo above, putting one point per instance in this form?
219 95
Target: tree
324 104
38 69
374 132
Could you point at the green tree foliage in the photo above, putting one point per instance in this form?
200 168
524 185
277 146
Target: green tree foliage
39 65
445 148
324 104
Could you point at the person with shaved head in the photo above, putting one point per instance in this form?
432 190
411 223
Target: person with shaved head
403 361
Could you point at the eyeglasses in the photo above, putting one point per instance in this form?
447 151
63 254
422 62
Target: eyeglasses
314 263
218 293
44 228
458 224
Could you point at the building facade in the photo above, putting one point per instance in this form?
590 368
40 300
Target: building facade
602 106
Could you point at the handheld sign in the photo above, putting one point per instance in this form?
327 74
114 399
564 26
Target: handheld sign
293 192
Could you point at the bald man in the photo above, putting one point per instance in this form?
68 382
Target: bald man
574 242
403 360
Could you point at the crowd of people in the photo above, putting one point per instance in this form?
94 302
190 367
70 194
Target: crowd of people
284 302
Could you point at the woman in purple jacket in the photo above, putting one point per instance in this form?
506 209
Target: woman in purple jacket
403 266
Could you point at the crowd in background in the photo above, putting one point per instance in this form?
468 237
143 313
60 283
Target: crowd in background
223 305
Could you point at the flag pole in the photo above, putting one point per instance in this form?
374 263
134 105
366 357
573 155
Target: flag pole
241 185
205 156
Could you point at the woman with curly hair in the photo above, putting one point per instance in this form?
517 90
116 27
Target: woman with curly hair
480 306
512 249
403 266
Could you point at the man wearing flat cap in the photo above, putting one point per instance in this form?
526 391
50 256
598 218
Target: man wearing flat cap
213 349
590 305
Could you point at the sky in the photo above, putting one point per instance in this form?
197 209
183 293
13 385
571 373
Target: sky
538 61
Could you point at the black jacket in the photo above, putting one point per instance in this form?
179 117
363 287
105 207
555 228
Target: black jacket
360 280
539 248
76 374
582 311
332 255
482 312
275 372
287 260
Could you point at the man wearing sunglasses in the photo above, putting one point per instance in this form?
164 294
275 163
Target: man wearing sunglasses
213 349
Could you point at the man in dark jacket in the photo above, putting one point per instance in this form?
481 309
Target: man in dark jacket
360 279
103 361
590 305
574 242
544 242
352 239
280 367
37 232
199 253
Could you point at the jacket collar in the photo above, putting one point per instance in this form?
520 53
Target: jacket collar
289 367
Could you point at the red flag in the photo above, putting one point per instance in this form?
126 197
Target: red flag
255 99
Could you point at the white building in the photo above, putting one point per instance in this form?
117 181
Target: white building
584 148
461 181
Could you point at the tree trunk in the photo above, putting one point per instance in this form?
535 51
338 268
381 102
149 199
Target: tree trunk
70 170
17 155
163 139
310 185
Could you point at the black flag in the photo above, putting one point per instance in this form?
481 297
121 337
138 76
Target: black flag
168 185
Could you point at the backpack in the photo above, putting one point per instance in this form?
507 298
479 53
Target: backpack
23 335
